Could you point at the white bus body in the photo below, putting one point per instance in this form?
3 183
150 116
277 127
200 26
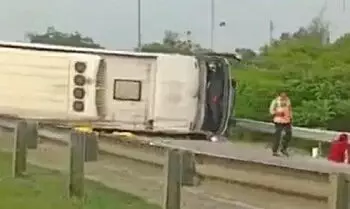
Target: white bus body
150 91
39 85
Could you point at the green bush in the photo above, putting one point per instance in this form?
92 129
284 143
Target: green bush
316 78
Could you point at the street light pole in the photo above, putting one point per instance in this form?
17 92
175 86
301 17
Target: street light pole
139 45
212 26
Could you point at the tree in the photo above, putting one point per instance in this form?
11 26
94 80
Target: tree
314 71
174 43
52 36
247 54
317 32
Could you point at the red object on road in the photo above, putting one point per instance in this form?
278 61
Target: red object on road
280 114
338 149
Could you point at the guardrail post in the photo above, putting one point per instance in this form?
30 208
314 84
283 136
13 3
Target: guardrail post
188 168
246 134
338 198
19 164
320 153
91 147
32 135
172 186
77 157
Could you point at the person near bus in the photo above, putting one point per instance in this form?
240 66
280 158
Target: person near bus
281 110
338 151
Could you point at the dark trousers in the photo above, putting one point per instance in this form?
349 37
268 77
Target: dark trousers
279 127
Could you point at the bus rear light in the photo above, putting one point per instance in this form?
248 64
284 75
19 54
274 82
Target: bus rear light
79 93
80 67
79 80
78 106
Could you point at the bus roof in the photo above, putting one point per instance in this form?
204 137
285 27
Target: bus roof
49 47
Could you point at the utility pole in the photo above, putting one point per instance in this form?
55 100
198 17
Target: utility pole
271 29
325 33
212 25
139 44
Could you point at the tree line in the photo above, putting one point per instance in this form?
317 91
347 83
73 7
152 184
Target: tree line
314 71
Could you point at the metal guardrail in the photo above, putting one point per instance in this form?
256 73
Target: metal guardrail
299 132
253 125
217 166
52 132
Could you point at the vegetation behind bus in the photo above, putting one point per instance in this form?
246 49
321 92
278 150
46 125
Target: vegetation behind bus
313 71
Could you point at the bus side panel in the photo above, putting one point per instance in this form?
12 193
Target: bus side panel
33 84
130 91
176 93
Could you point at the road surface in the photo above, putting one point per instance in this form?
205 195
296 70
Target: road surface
146 181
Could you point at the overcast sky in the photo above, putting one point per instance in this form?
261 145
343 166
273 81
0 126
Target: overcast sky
113 23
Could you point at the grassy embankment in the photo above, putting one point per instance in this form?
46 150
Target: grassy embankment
46 189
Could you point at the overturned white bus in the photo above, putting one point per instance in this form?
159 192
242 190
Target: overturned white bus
138 92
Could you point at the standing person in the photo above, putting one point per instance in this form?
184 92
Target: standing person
281 109
338 151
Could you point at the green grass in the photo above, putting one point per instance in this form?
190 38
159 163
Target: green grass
46 189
